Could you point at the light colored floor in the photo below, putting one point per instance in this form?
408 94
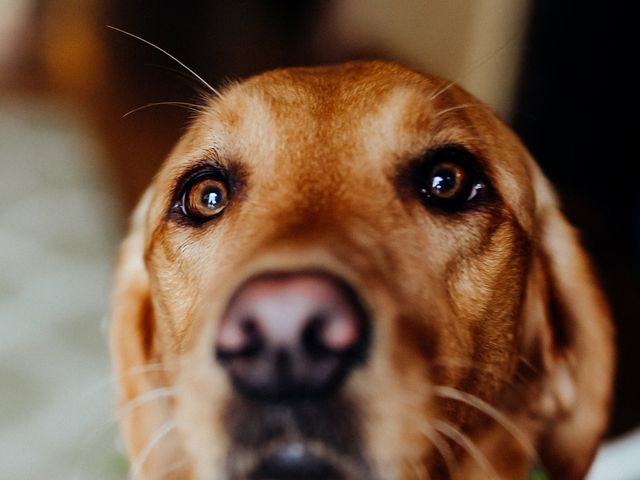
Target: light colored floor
57 243
618 460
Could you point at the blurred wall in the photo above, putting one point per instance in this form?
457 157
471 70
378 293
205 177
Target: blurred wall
477 43
574 112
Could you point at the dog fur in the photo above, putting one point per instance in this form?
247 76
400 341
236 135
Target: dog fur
491 343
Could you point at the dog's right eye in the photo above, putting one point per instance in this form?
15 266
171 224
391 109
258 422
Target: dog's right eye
204 197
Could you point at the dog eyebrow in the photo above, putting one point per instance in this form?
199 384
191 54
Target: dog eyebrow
181 174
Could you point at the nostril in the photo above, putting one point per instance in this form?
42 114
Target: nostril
312 336
240 339
329 333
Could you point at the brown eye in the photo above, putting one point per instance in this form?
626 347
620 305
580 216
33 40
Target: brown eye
204 198
449 179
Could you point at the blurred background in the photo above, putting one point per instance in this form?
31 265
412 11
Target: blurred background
71 167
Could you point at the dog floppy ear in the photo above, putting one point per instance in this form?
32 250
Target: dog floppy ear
134 354
576 352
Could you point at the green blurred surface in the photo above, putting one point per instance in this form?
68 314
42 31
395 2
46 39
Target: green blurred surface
538 473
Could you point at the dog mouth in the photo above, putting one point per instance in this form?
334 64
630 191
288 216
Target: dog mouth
298 459
305 440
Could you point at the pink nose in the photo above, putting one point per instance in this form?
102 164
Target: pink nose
291 335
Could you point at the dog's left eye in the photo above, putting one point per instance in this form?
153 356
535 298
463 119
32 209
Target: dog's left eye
204 197
448 180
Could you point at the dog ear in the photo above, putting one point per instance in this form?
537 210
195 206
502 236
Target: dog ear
136 361
575 343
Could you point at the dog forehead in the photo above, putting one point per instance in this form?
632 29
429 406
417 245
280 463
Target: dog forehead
331 112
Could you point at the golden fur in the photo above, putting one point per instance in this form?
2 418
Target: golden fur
492 343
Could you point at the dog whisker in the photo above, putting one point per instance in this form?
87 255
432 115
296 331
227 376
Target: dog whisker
146 397
103 426
110 380
467 444
442 447
188 79
473 68
172 57
159 435
150 367
443 89
193 107
517 384
527 363
420 471
489 410
158 367
137 402
177 465
464 106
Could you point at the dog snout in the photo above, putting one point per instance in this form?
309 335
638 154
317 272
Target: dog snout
295 335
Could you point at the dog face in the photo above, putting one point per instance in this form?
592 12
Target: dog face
356 272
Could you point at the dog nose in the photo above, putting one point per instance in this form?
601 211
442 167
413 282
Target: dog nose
288 336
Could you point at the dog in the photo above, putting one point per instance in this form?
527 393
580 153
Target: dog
356 272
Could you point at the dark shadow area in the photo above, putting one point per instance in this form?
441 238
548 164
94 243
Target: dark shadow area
575 114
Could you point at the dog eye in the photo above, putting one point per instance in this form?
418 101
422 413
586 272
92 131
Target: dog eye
449 181
204 197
